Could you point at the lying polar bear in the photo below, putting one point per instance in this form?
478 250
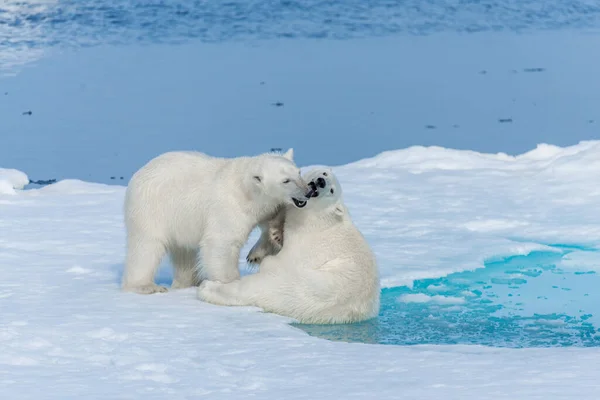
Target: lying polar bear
324 273
183 202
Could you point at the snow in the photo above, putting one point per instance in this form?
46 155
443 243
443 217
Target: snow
473 207
67 330
11 179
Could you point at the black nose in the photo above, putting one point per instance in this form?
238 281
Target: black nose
320 182
312 185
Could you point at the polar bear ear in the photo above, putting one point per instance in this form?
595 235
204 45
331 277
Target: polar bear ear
289 154
339 209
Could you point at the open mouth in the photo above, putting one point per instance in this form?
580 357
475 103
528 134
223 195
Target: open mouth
314 187
299 203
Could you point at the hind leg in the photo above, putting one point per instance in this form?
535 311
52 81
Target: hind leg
143 258
184 267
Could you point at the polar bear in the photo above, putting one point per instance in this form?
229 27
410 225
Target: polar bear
271 238
325 272
201 209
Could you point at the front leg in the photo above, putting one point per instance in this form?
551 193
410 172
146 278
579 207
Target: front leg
263 248
275 227
270 241
219 260
276 237
251 290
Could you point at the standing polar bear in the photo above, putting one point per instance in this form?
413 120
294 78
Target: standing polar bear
324 273
189 204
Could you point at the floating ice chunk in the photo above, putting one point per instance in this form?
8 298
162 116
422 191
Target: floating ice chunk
581 260
423 298
437 288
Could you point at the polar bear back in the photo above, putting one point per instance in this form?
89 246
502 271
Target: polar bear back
177 195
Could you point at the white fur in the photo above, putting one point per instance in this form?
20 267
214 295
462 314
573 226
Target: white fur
182 202
324 273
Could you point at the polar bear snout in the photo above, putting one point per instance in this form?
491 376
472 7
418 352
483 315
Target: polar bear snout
315 184
302 195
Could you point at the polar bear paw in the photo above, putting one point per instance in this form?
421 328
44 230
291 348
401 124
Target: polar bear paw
207 291
147 289
255 256
276 236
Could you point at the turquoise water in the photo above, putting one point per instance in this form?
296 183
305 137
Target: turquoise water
523 301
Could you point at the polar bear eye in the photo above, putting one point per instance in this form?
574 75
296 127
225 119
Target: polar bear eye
286 181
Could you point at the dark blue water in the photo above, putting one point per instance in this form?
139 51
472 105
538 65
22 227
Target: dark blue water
518 302
84 22
101 113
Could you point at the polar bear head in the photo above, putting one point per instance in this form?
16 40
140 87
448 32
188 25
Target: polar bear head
325 191
278 178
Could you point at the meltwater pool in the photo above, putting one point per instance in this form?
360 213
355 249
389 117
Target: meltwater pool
522 301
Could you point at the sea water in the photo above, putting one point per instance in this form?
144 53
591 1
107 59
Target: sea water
522 301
